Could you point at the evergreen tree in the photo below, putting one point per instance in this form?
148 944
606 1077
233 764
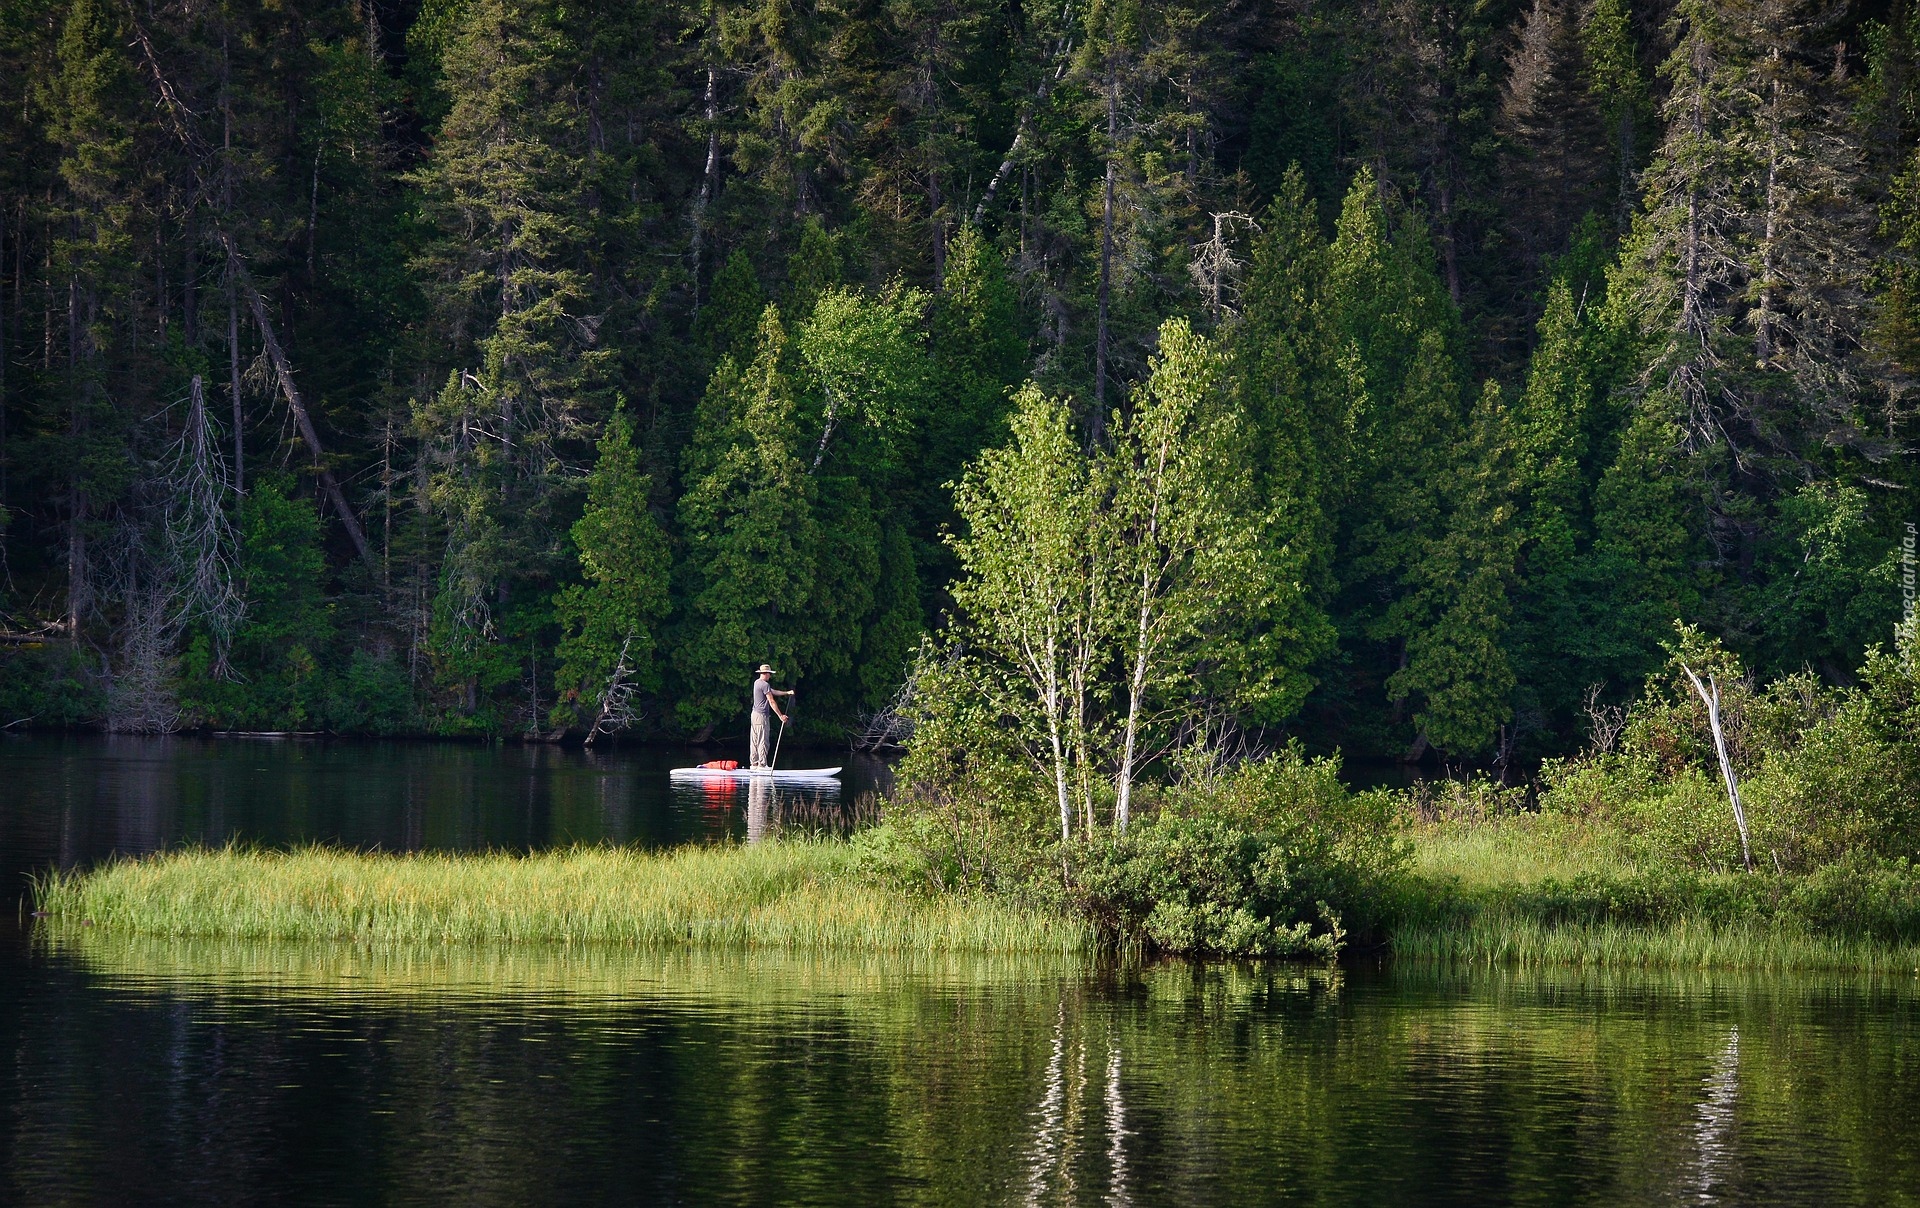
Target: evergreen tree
1287 372
503 187
92 105
1561 425
609 622
1396 334
746 518
1555 134
1455 666
727 323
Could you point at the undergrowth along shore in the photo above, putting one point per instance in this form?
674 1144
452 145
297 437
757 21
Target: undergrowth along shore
1490 893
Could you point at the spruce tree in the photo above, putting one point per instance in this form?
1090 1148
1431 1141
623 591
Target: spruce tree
1396 334
1455 667
746 518
609 622
1553 126
1285 357
511 292
727 323
1561 423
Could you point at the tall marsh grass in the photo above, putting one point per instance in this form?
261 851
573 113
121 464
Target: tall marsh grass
796 895
1542 891
1496 938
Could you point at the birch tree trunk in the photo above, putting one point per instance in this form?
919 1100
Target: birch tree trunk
1709 693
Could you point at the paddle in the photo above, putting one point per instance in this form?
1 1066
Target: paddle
775 761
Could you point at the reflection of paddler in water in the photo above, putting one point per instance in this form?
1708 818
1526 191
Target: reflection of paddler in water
759 808
764 705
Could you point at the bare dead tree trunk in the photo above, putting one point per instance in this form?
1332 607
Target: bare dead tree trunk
301 419
233 389
616 700
370 17
1709 693
710 111
1023 131
202 553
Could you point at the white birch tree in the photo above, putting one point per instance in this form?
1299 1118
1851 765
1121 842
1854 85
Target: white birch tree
1025 588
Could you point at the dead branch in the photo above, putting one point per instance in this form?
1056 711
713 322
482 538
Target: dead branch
302 420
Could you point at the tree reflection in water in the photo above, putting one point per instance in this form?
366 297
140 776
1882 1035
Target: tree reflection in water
1713 1130
522 1074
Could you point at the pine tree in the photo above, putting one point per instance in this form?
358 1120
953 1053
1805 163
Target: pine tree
503 187
1285 368
1647 557
92 103
1455 665
1395 333
976 356
746 518
1560 422
727 323
1611 64
610 621
1556 169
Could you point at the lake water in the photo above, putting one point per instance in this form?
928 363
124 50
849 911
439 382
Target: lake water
205 1072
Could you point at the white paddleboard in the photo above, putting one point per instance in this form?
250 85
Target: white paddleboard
754 773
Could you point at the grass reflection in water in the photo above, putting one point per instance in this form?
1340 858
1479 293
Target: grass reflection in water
741 1076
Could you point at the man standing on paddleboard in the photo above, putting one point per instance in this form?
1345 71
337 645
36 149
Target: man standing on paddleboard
763 704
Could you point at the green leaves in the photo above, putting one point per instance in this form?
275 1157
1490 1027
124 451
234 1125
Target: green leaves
866 356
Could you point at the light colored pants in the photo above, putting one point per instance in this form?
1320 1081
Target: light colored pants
761 744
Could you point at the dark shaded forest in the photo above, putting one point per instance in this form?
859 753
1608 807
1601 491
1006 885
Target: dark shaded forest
511 368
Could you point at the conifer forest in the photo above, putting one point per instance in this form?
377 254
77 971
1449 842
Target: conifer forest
515 368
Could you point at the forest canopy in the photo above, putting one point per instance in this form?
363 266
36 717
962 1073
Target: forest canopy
510 368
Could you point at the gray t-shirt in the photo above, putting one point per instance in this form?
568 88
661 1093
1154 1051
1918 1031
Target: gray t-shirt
760 690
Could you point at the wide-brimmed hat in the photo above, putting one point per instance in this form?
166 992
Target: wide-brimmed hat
763 669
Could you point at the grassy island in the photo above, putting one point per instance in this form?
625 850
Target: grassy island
799 895
1522 890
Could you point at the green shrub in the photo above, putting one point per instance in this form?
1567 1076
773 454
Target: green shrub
372 697
1825 773
1273 857
976 813
47 686
1857 898
1205 886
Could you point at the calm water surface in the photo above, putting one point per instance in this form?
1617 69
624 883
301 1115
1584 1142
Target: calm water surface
144 1071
